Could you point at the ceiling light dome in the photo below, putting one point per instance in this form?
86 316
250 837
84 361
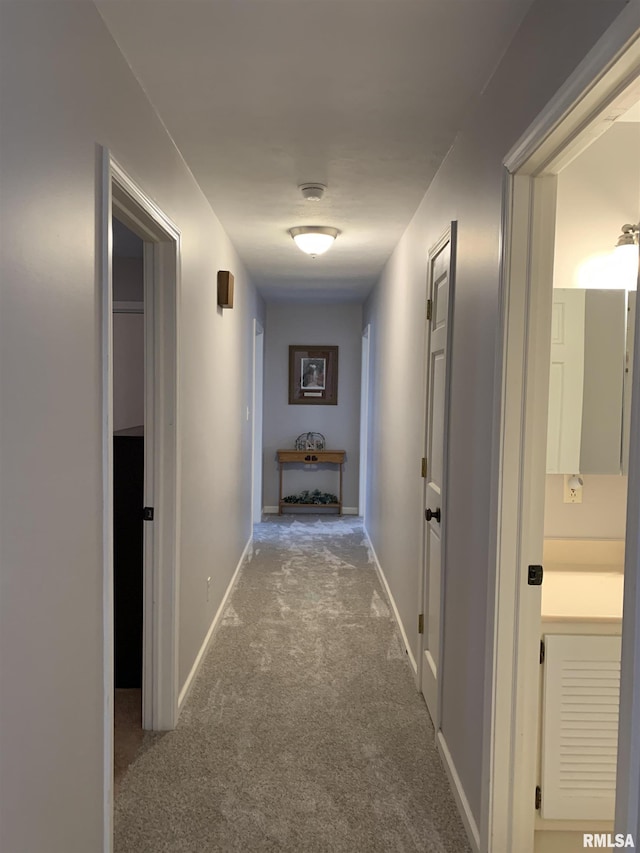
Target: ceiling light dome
314 239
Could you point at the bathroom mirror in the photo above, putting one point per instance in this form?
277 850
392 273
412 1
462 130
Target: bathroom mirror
587 380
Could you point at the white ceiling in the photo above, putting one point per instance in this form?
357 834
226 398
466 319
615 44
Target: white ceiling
365 96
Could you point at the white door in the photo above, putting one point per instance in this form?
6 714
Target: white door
364 421
440 295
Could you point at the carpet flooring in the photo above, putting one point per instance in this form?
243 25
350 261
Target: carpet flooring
303 730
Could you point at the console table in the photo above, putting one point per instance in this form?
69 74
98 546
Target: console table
310 457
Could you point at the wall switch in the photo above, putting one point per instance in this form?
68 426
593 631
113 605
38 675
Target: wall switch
208 587
573 489
247 412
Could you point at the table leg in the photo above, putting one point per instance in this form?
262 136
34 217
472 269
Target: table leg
280 466
340 508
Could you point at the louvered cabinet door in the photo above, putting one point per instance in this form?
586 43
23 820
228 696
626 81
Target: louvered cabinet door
580 726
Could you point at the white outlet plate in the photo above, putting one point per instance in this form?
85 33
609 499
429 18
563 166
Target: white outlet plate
208 587
571 496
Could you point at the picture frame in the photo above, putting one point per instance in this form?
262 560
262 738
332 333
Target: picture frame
313 375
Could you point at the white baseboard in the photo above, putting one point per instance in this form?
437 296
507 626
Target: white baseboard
459 794
214 624
346 510
396 614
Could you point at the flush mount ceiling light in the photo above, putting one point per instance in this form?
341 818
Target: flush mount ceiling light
314 239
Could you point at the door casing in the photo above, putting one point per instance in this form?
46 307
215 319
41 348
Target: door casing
119 194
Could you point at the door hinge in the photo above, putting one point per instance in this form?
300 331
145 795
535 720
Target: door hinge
429 309
421 623
147 513
534 575
424 466
538 797
542 651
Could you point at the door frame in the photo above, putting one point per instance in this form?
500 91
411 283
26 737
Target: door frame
364 421
449 236
581 110
256 422
119 194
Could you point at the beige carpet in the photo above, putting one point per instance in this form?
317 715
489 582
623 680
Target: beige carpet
304 730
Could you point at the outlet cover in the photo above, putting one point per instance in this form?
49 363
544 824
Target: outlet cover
571 496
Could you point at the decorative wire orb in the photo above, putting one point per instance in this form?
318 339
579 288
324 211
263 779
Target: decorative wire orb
310 441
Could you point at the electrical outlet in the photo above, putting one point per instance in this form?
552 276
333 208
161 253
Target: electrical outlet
572 489
208 587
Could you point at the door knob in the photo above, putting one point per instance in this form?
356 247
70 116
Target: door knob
429 514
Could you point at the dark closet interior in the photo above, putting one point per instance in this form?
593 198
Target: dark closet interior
128 483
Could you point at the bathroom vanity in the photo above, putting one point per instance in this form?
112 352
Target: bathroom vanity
581 622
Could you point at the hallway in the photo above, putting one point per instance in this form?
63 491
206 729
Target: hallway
304 730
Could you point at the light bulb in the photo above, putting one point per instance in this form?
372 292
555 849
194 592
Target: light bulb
314 239
625 260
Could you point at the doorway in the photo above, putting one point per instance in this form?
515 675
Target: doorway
585 485
123 200
128 489
511 746
364 422
258 386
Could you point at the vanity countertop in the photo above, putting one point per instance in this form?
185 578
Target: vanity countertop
571 595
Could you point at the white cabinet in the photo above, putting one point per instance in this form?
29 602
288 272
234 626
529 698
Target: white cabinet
581 690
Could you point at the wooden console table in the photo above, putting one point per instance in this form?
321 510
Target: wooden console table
310 457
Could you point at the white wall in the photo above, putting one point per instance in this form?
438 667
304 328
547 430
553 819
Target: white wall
128 370
128 345
65 89
331 325
128 278
601 515
468 188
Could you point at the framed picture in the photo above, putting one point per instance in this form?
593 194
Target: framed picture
313 375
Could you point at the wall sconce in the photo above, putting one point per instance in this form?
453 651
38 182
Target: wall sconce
626 256
629 236
225 289
314 239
